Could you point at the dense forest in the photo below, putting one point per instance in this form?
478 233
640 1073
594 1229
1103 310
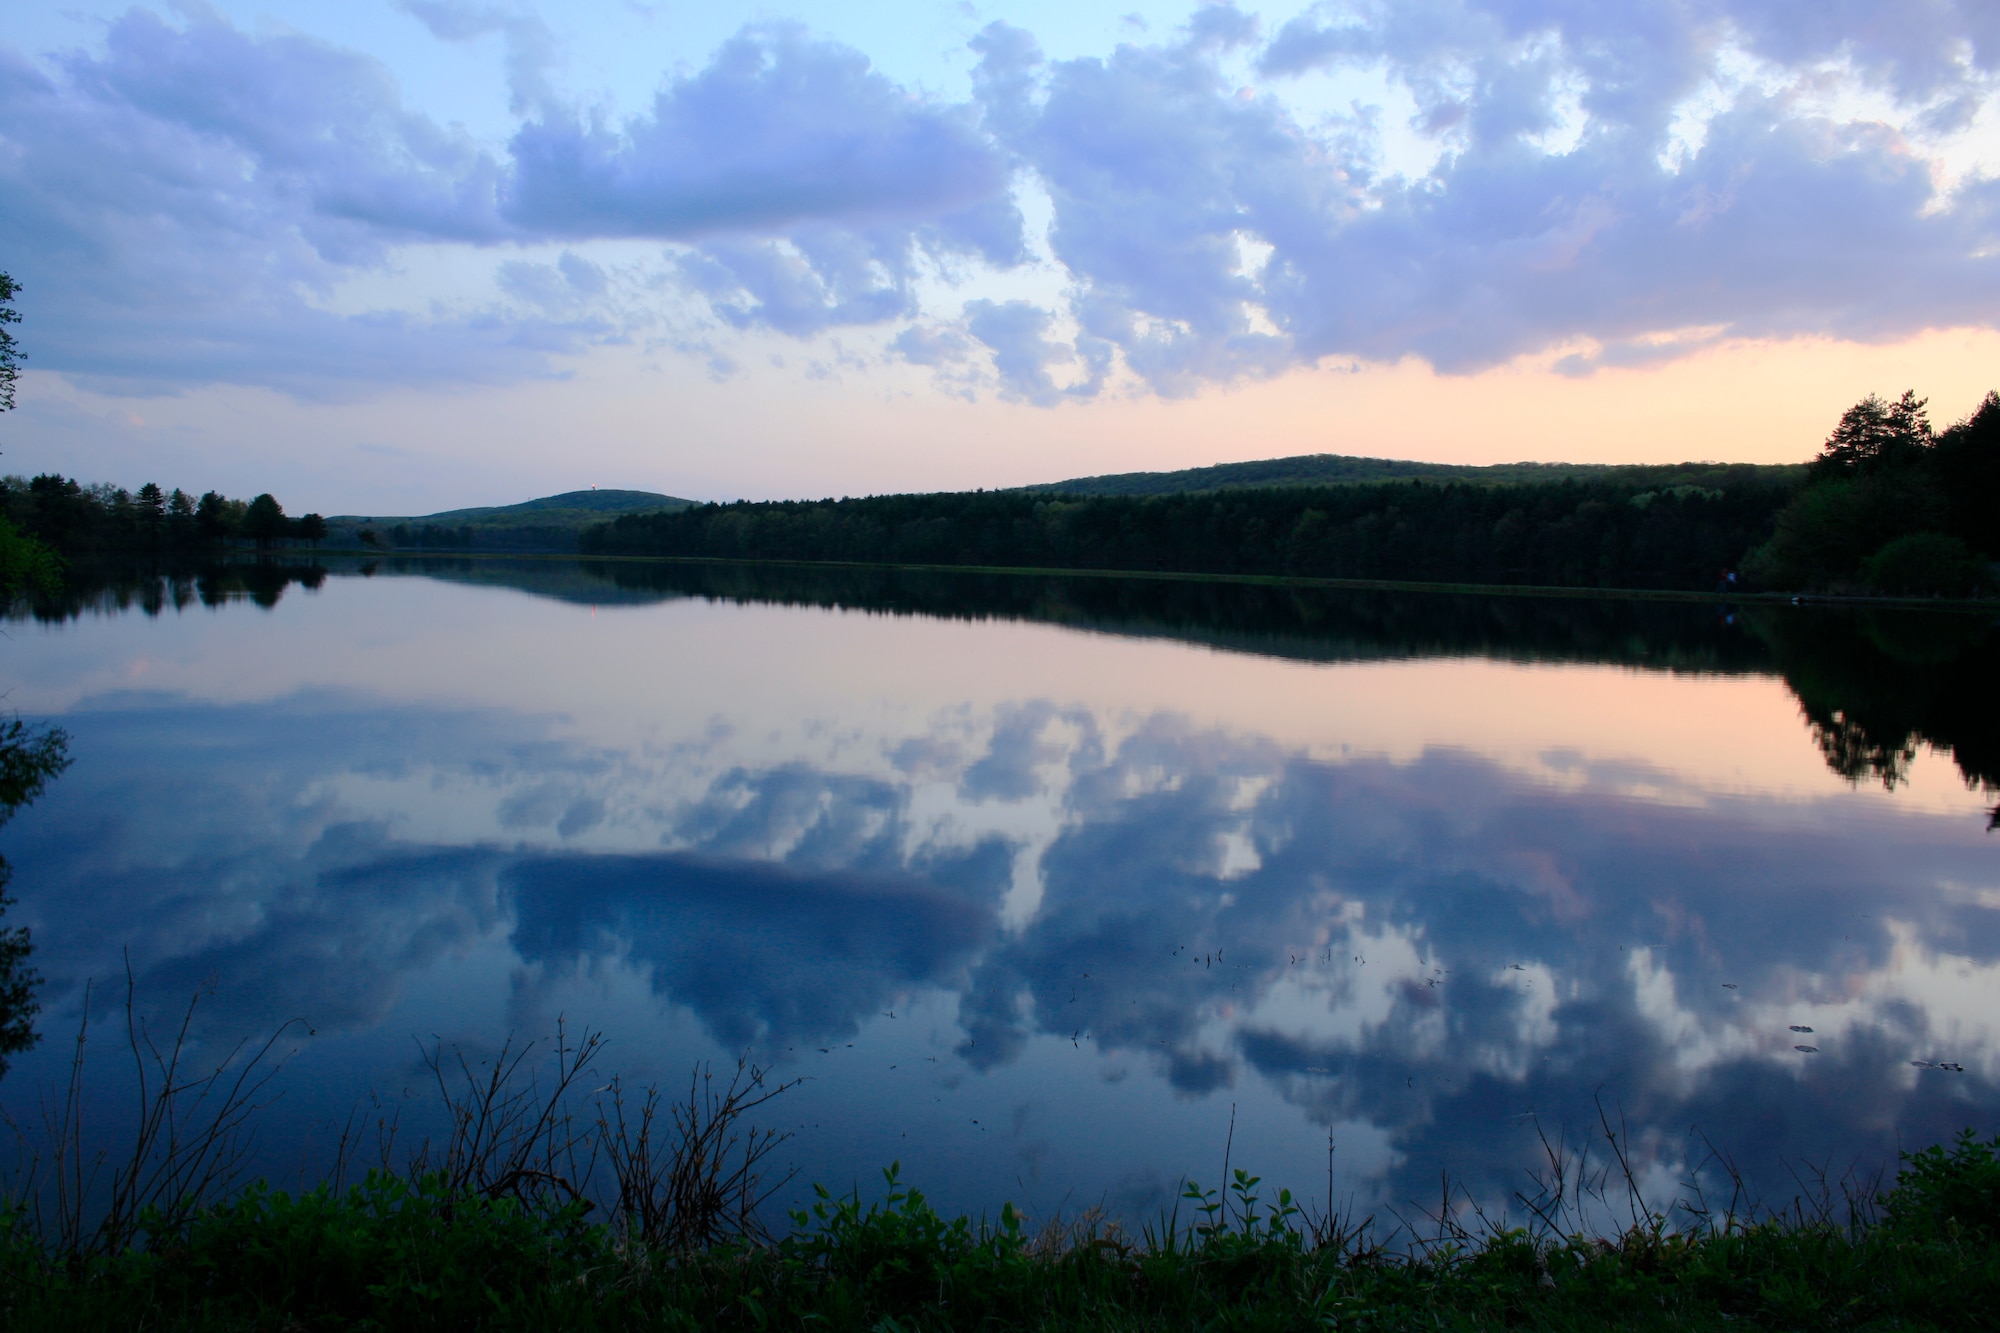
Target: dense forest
82 522
1891 506
1579 533
550 523
1351 470
1888 507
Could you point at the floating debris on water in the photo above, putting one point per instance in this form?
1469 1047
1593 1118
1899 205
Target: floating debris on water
1729 985
1809 1050
1953 1065
1922 1064
1797 1028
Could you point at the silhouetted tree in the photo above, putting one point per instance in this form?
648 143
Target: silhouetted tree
1873 433
211 516
1968 466
264 522
151 507
29 759
1892 506
312 528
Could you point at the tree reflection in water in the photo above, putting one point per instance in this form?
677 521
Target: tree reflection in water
29 758
1414 949
1874 684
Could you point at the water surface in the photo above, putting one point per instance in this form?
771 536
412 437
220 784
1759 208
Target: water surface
1042 882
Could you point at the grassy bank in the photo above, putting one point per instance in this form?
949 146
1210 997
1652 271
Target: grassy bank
425 1253
545 1206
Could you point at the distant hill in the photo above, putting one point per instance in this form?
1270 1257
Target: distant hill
550 523
1346 470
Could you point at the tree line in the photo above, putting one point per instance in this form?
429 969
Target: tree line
1875 684
82 521
1575 532
1889 506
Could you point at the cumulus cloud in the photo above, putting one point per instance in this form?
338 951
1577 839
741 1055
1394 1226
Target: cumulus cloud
764 956
1621 183
181 209
1784 221
1023 356
531 47
1418 944
818 279
778 130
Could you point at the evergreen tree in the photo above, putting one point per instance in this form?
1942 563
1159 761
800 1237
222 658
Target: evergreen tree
151 507
265 522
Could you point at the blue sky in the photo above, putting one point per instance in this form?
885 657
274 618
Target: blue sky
401 256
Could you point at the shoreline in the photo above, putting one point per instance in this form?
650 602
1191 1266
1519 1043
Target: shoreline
1256 580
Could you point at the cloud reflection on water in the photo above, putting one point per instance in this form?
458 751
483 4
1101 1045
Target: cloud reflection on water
1435 947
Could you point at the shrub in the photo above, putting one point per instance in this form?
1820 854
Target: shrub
1947 1193
1923 564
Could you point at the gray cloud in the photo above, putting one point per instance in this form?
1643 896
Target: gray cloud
821 278
531 47
180 210
186 204
763 954
1216 907
1023 355
1780 223
778 130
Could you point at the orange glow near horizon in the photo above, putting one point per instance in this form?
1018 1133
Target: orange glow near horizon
1752 402
766 433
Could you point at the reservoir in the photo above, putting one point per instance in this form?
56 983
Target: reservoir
1052 890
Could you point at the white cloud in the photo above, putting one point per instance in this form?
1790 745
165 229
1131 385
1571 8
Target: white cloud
187 204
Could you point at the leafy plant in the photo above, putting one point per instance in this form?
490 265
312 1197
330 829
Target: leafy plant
1948 1192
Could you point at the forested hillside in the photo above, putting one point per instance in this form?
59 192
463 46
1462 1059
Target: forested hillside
1889 506
550 523
1347 470
1574 533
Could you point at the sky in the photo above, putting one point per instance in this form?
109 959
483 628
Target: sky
394 256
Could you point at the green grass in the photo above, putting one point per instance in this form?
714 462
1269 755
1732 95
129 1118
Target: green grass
397 1253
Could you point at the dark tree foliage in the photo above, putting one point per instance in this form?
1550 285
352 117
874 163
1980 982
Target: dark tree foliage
105 588
86 522
1573 533
1873 434
1889 506
433 536
265 522
1314 623
151 504
29 759
1875 687
1893 507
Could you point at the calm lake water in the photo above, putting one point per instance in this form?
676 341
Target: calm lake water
1040 882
